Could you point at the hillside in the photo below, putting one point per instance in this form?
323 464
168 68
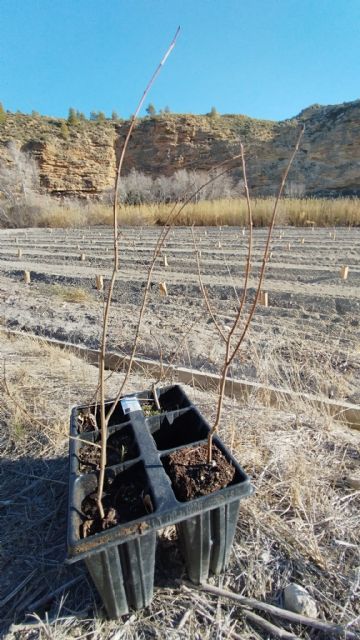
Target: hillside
79 160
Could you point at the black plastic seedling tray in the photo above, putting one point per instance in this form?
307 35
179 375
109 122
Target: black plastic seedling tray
121 559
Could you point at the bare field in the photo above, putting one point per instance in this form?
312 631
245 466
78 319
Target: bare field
307 339
302 523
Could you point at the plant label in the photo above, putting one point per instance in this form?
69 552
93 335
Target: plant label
129 405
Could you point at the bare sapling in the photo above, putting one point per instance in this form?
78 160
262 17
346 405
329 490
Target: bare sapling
170 220
104 420
164 233
233 341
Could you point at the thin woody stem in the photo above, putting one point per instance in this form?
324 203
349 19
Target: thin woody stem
267 245
204 291
103 418
248 259
230 356
132 124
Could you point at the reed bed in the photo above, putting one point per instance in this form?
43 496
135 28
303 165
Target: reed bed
296 212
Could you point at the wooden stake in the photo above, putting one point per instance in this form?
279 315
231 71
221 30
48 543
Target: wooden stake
288 246
165 261
99 282
302 240
344 272
163 289
19 253
27 277
264 298
219 244
82 257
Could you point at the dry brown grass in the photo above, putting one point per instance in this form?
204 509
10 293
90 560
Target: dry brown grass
300 525
66 293
72 294
292 211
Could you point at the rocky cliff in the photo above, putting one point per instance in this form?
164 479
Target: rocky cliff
79 160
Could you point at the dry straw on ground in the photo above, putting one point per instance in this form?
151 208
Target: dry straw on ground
300 525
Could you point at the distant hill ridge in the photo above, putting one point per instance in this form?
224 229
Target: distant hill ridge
79 160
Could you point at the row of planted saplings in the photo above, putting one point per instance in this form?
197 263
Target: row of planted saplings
156 475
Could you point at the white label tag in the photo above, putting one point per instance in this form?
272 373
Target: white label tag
130 404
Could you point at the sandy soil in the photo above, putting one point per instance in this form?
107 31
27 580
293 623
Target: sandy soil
308 338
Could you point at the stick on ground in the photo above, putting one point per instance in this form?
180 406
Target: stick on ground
322 625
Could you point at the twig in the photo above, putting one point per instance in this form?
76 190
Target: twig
269 626
250 246
156 399
204 291
297 618
104 420
13 593
92 444
230 352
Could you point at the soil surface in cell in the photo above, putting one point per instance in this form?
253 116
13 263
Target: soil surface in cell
120 447
192 477
124 500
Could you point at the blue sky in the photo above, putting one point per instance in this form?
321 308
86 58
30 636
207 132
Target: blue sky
264 58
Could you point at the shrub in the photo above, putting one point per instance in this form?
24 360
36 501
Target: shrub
2 114
150 109
72 117
213 112
64 131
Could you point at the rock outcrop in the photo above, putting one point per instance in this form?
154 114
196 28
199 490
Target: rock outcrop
79 160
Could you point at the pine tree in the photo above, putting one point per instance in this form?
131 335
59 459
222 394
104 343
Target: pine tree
150 109
72 117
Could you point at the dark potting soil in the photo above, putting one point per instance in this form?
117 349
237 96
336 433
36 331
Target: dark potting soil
125 499
120 447
192 477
